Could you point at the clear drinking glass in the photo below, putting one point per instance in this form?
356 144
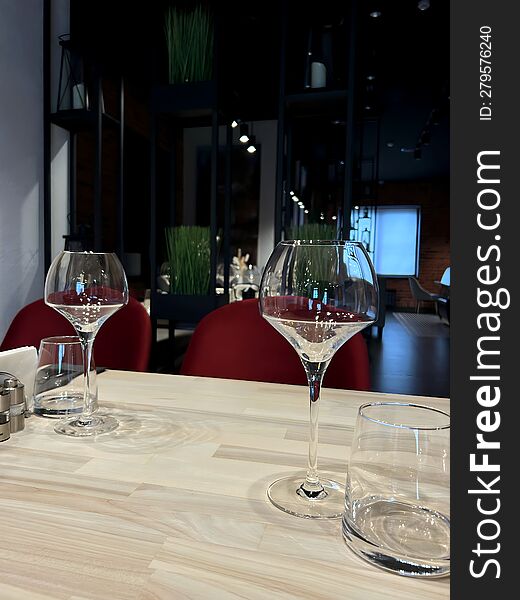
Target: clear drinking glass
317 294
86 288
397 499
59 384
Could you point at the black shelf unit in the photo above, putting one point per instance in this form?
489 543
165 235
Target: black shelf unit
303 105
77 121
312 103
180 106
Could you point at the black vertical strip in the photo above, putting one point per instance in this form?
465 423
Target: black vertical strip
47 258
98 215
73 140
227 205
349 128
121 182
173 173
214 199
280 144
153 232
214 155
484 295
376 192
287 203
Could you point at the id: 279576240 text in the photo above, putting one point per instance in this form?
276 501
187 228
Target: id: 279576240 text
485 112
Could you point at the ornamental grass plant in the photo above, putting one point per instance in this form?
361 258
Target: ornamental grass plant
189 251
189 42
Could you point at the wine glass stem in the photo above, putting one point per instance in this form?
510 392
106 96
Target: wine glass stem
315 373
87 342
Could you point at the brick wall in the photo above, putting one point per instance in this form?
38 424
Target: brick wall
434 249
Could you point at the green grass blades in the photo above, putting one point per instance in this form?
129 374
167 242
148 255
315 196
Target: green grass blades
189 251
189 41
313 231
312 264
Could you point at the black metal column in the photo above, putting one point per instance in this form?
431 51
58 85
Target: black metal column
280 145
227 206
72 183
47 258
153 235
349 127
120 241
98 209
214 199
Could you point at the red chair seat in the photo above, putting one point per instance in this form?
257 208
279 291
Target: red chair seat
235 342
123 342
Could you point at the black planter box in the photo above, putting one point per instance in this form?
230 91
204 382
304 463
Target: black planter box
185 309
196 99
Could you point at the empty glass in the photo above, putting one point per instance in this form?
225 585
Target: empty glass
397 499
317 294
87 288
59 383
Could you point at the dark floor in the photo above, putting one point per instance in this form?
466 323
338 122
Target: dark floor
406 363
405 360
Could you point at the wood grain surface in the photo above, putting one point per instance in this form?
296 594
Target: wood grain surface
173 505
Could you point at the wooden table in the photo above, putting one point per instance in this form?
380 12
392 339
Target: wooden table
173 505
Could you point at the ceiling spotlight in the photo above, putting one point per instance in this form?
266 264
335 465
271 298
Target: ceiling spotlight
368 107
417 154
375 14
244 133
251 148
423 4
356 207
301 206
306 211
334 218
390 144
295 198
234 124
371 77
291 193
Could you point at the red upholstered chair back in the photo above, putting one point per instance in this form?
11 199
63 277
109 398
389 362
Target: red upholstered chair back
235 342
123 342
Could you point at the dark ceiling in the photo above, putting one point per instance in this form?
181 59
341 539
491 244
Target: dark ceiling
405 49
408 52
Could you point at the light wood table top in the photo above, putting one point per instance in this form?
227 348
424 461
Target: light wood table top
173 505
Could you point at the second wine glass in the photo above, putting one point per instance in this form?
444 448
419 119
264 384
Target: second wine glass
317 294
86 288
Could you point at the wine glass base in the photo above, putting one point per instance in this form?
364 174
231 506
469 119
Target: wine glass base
79 426
285 494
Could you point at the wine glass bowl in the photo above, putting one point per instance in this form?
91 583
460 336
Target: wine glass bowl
86 288
317 294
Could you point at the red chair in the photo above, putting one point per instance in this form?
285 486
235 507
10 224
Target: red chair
123 342
235 342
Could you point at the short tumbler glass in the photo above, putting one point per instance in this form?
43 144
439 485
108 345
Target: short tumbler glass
59 383
397 500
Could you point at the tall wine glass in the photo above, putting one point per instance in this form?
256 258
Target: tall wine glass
86 288
317 294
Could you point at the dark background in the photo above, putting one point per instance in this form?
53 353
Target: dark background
401 94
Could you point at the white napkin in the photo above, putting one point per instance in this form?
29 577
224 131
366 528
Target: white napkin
21 363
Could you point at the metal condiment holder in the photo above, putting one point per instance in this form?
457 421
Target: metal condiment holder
13 408
5 417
